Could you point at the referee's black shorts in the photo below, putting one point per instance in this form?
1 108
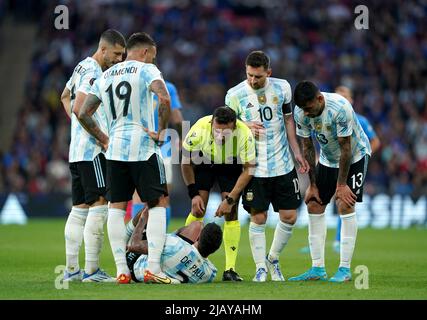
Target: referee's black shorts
226 175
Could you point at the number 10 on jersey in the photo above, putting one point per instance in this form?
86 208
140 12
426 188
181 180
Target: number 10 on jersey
266 114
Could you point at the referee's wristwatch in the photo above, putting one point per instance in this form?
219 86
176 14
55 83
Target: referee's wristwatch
229 200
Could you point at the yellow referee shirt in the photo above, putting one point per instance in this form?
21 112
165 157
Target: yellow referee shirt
240 145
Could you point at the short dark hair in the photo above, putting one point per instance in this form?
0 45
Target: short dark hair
304 92
113 37
224 115
140 39
258 59
210 239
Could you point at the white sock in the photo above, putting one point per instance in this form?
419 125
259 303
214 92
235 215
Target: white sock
282 234
156 237
94 236
117 237
348 238
317 238
257 242
73 237
129 230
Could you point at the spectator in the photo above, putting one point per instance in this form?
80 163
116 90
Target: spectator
201 46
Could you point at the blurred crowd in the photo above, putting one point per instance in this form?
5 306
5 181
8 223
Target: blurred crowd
202 46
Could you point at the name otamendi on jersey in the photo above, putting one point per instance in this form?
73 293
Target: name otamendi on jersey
125 92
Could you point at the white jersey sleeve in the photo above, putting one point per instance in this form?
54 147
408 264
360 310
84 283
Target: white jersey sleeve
87 81
68 84
151 73
94 89
287 92
303 130
345 121
83 146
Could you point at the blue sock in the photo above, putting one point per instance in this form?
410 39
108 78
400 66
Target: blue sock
136 207
168 216
338 234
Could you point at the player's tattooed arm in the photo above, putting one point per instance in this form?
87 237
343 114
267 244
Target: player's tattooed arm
136 244
159 88
343 192
88 108
66 101
345 159
310 155
80 98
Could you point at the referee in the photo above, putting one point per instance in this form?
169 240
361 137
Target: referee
219 149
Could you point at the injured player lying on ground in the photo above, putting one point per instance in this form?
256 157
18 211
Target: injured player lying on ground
184 257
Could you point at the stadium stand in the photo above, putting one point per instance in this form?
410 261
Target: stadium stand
202 49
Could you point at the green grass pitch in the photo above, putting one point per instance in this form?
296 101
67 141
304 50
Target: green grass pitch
396 261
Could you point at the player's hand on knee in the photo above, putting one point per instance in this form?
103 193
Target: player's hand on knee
197 206
344 193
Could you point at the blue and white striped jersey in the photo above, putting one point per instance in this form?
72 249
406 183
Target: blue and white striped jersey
265 105
83 146
338 119
180 260
124 90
